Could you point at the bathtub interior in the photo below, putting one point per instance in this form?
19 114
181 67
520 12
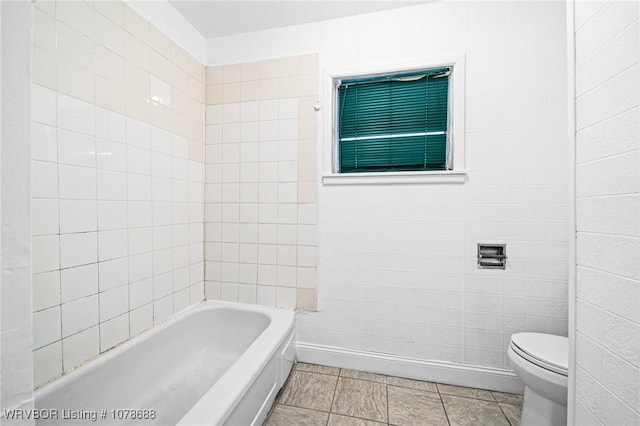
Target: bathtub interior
167 370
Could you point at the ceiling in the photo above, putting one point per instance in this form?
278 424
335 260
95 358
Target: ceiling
219 18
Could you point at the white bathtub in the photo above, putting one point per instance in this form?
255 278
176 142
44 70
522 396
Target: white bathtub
215 363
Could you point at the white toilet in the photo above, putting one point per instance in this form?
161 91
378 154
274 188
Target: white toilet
541 361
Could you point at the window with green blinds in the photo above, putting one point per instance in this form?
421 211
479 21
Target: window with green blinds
394 123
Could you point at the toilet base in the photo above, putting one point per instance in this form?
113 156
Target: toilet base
540 411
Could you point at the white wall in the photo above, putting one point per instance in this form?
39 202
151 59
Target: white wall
607 205
397 264
15 285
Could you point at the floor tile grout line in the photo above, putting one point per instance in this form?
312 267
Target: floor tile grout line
359 418
333 397
504 415
315 372
303 408
471 397
386 389
446 415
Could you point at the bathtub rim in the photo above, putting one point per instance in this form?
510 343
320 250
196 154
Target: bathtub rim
281 322
232 386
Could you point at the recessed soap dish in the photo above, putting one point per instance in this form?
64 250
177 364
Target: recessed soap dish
492 256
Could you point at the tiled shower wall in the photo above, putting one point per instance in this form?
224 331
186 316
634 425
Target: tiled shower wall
261 182
117 180
607 379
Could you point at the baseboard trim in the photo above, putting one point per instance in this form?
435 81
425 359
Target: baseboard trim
412 368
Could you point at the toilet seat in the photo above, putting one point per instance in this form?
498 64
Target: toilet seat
543 350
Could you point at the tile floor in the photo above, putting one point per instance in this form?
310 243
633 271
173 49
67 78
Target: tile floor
320 395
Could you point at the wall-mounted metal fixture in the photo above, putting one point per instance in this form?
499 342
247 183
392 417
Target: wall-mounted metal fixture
492 256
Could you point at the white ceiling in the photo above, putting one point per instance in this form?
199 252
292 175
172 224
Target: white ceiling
218 18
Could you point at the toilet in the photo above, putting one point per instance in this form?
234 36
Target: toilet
541 362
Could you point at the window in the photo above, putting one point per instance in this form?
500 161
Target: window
394 122
389 126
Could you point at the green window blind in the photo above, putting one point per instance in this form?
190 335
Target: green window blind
394 123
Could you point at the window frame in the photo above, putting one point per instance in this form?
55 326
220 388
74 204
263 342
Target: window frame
456 118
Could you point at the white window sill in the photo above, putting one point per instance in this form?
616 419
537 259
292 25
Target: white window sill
395 178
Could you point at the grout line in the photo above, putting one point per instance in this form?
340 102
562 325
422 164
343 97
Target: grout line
446 414
602 84
505 414
386 390
601 120
333 397
606 157
59 235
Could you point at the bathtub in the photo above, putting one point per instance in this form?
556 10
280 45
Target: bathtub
214 363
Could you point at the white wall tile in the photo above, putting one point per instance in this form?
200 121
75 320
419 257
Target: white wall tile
78 249
44 179
112 215
78 216
77 182
162 309
47 363
76 115
268 110
44 216
112 244
114 331
45 253
76 148
46 327
111 155
138 160
141 319
80 347
43 105
140 293
110 125
214 114
113 273
111 185
46 290
288 108
79 282
139 213
79 315
285 297
230 113
113 302
44 142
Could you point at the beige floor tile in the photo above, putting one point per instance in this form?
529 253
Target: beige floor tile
315 368
283 415
339 420
512 412
465 392
415 407
309 390
363 375
413 384
468 411
509 398
360 398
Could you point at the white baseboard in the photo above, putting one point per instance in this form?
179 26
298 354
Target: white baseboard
412 368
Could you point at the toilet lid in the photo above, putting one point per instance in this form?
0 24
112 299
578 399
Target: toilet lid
545 350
